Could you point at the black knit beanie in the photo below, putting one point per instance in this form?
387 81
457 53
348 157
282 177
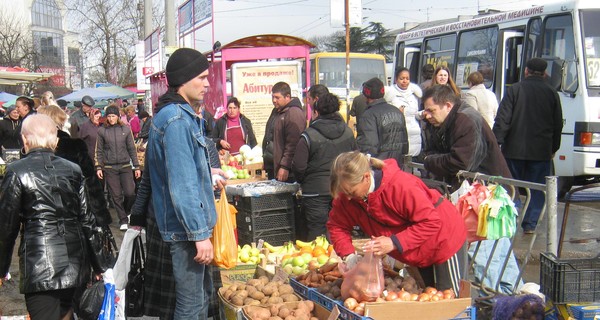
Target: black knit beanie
183 65
373 88
112 110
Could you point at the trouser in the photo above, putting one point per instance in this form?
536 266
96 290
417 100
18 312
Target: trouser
447 275
122 189
532 171
193 282
49 305
316 213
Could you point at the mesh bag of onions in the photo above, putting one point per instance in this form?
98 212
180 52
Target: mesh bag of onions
525 307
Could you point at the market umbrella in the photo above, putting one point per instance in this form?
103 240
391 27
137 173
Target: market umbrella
121 92
97 94
5 96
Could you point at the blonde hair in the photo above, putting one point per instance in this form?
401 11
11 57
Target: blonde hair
129 108
349 168
47 98
39 131
55 113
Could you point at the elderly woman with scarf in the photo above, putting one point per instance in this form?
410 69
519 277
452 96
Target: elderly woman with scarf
233 129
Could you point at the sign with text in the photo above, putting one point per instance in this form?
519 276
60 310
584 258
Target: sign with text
252 83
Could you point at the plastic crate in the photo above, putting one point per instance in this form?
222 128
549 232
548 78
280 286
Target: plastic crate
300 289
347 314
323 300
265 220
274 237
268 202
570 280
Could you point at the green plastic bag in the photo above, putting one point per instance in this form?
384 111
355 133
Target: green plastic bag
497 215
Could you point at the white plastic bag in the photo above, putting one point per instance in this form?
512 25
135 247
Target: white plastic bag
123 264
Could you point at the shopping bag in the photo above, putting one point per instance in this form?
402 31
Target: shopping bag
497 215
224 243
134 292
365 281
468 206
91 301
107 312
104 247
123 264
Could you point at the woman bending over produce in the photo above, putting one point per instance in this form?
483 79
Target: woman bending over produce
407 220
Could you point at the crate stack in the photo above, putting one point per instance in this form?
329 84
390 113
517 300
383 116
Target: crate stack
269 217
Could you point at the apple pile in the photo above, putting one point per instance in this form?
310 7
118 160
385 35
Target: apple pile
248 254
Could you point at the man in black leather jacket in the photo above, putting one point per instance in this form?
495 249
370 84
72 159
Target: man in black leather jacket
382 128
43 195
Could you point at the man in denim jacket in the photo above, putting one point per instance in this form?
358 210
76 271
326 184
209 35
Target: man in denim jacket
182 192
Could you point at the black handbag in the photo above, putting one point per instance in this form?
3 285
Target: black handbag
103 245
91 301
134 291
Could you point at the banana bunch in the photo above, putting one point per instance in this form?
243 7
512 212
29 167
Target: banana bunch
286 248
320 241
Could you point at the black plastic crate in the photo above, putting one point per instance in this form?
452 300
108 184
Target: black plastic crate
264 220
274 237
268 202
570 280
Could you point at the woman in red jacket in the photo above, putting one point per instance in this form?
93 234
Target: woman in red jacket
407 220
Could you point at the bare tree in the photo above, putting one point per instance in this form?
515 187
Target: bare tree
16 44
109 30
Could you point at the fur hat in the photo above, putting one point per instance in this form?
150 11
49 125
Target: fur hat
537 65
183 65
373 88
112 110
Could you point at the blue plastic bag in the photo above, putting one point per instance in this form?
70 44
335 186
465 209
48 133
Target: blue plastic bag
108 305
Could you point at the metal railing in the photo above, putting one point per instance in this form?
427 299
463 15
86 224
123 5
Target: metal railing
550 209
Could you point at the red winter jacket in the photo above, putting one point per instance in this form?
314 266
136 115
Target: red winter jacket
402 205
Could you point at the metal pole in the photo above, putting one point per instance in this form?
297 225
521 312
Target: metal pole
147 18
551 207
170 37
347 20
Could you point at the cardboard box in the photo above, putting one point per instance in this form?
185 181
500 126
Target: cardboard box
229 310
411 310
585 312
319 312
242 272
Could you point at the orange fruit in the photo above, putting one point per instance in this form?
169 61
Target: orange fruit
317 251
306 249
330 249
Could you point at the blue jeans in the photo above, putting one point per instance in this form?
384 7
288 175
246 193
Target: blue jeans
193 283
532 171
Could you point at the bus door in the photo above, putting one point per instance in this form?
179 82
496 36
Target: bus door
512 51
412 56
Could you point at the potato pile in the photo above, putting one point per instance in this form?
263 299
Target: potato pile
259 291
332 289
318 277
282 311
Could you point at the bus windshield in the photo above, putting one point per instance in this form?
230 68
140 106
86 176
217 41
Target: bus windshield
591 38
332 71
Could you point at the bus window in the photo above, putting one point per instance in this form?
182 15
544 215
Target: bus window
559 48
512 65
591 38
439 51
534 31
332 71
412 64
477 52
399 58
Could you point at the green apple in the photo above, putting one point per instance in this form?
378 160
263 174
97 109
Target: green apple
245 256
288 268
298 261
322 259
286 261
254 252
306 257
298 270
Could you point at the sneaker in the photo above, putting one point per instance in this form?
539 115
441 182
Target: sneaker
529 231
123 227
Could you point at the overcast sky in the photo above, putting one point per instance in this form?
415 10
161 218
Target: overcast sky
305 18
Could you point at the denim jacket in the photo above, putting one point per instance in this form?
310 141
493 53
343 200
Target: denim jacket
182 192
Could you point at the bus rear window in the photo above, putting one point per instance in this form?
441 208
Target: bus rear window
591 45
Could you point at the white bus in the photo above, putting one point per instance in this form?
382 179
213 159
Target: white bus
565 34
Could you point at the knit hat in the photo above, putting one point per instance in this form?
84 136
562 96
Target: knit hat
373 88
537 65
112 110
183 65
10 108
